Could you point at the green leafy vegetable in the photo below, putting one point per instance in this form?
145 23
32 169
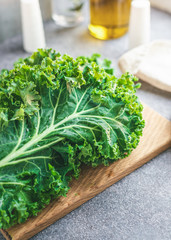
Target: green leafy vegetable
56 113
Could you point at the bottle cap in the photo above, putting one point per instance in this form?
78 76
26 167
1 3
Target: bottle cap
139 25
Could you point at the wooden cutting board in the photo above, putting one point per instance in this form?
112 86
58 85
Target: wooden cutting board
156 138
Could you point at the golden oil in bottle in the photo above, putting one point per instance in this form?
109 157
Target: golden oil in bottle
109 18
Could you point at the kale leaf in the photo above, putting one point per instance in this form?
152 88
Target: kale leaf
56 113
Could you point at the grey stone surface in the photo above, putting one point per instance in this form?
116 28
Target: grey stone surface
139 206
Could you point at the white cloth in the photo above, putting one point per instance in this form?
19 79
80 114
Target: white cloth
151 63
164 5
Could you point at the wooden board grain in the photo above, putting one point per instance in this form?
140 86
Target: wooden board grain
156 138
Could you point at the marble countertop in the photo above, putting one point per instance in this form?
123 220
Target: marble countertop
137 207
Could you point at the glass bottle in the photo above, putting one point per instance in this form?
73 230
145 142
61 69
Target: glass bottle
109 18
67 13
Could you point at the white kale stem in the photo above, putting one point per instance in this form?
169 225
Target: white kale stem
27 159
35 140
38 137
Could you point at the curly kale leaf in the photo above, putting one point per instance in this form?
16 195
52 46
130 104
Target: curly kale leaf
55 114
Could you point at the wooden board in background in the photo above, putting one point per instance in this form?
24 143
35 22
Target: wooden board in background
156 138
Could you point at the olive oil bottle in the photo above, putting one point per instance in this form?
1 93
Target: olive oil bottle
109 18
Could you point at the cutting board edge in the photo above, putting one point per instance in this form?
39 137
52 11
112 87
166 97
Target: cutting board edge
132 168
5 234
